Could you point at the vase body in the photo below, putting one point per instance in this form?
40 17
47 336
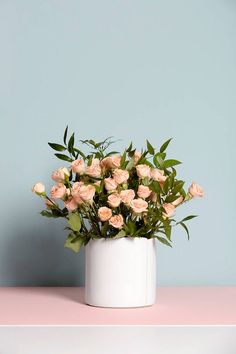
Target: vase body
120 272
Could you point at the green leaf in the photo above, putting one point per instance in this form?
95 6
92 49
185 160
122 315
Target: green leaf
130 147
170 163
80 153
63 157
74 222
57 147
48 214
178 186
123 160
130 164
65 135
189 218
185 228
171 198
71 143
155 187
120 234
158 159
164 146
150 148
74 243
163 240
167 229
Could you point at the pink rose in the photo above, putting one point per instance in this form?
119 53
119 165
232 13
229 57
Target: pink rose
38 188
78 166
76 192
120 176
110 184
137 156
116 221
139 205
94 170
58 191
195 190
144 192
169 210
143 171
86 193
158 175
60 174
71 204
127 195
104 213
178 201
111 162
114 200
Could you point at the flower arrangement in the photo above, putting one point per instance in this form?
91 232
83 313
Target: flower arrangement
110 195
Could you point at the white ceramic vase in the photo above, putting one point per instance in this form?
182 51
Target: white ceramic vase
121 272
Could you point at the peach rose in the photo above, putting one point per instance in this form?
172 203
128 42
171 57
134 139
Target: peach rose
104 213
38 188
143 171
114 200
139 205
60 174
110 184
144 192
111 162
120 176
58 191
71 204
78 166
76 192
195 190
169 210
94 170
178 201
86 193
137 156
158 175
116 221
127 195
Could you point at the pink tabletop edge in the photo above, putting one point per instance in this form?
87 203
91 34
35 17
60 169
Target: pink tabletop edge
65 306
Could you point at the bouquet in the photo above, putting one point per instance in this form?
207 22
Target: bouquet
105 194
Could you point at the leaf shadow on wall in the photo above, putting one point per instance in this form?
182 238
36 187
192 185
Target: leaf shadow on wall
36 257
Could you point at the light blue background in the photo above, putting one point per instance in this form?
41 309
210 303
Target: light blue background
134 70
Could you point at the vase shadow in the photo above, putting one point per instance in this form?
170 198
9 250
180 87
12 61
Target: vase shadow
36 257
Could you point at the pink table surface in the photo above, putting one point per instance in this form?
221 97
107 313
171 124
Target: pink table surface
65 306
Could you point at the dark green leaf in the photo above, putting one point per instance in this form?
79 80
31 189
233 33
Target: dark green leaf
163 240
170 163
74 243
185 228
171 198
57 147
189 218
74 222
150 148
155 187
130 147
71 143
123 160
164 146
63 157
49 214
178 186
65 135
158 160
80 153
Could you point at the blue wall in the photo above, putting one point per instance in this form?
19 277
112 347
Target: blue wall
131 69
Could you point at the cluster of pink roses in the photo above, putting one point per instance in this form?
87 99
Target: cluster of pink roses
115 180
